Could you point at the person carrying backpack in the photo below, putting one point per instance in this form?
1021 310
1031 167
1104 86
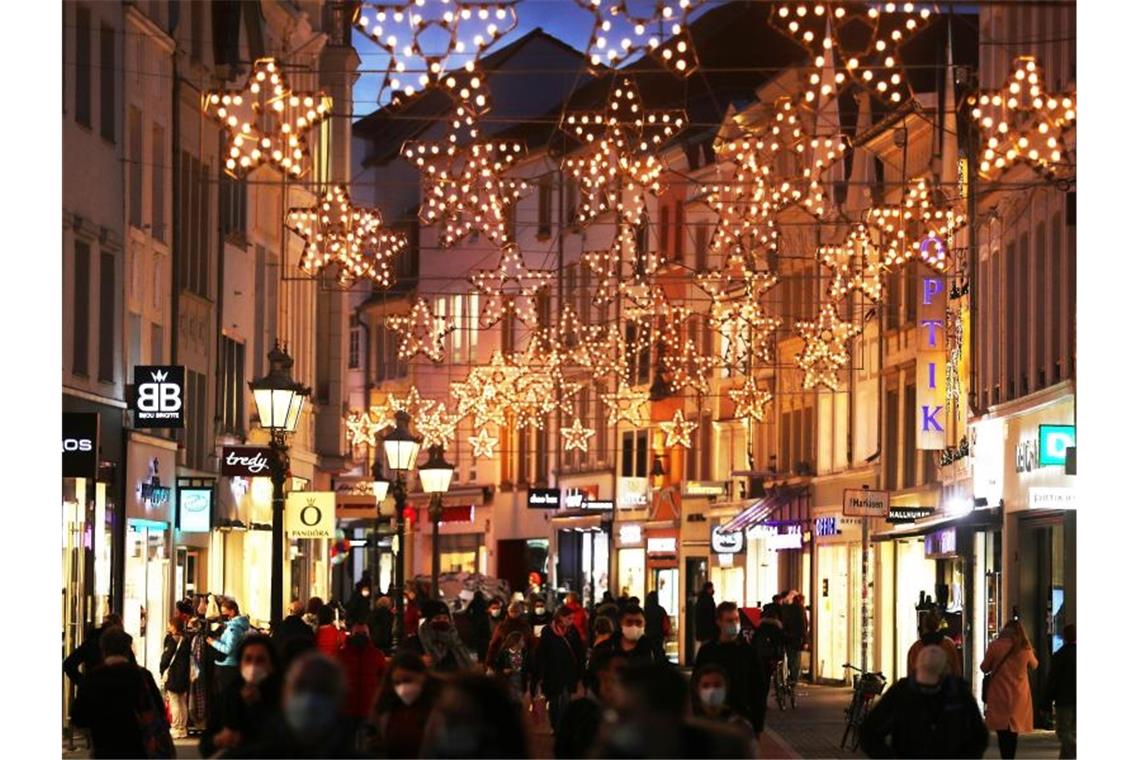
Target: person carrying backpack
768 643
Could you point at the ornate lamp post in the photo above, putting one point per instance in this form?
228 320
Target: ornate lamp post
279 400
401 449
380 491
435 476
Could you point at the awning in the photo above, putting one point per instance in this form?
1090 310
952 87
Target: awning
978 518
758 512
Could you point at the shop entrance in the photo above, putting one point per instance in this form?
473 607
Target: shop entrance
666 581
145 602
834 615
696 575
631 573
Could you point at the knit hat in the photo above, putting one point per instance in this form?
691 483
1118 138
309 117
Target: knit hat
432 608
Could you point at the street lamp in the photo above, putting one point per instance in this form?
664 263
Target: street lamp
279 400
380 492
401 449
435 477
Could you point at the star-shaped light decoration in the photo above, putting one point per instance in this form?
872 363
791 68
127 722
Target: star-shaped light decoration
855 265
1023 122
853 45
435 424
421 332
625 268
626 403
414 404
918 225
679 431
266 121
484 393
619 166
433 43
825 348
688 368
537 388
482 445
750 400
620 33
350 238
602 350
466 188
577 437
512 283
362 428
737 313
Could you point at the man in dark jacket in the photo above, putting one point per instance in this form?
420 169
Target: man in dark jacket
380 623
932 715
293 635
1061 690
706 614
769 645
632 643
582 719
794 618
559 663
87 654
111 699
732 653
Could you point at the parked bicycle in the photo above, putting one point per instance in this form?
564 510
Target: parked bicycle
785 689
868 685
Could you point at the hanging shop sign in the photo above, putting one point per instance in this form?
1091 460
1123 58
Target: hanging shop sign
942 544
792 538
863 502
543 498
703 488
80 445
930 361
726 542
661 545
158 396
1052 498
827 526
310 514
908 514
578 496
629 534
633 493
246 461
152 491
355 499
1053 443
1026 456
195 509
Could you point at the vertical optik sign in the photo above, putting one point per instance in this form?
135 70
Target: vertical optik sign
930 364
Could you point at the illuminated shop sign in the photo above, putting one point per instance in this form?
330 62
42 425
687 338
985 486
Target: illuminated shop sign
633 493
725 542
908 514
629 534
827 526
1052 498
702 488
195 506
942 543
664 545
930 392
1053 441
863 502
543 498
157 401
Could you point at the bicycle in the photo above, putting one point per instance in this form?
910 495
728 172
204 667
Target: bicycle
784 688
867 686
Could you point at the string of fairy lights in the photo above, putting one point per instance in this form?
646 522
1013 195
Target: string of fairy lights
773 175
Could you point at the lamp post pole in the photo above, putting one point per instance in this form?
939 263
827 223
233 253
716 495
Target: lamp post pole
400 496
435 511
278 468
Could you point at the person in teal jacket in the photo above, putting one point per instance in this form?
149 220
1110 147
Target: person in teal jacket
237 626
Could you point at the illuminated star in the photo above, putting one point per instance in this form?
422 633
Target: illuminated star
689 369
750 400
362 428
422 332
265 121
577 437
825 348
351 238
1022 122
915 226
855 265
435 424
625 404
482 445
678 431
620 33
511 283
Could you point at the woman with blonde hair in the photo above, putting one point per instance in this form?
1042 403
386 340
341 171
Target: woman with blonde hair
1009 701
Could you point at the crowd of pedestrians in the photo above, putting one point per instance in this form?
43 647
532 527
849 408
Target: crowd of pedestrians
352 682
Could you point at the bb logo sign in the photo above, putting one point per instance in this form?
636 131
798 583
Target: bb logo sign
310 514
159 396
80 445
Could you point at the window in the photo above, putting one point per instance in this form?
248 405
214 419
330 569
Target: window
83 65
641 248
135 141
231 380
641 454
570 189
158 183
156 344
194 434
701 247
891 305
1009 375
635 454
910 295
193 245
545 192
637 356
507 328
107 317
995 325
786 441
81 308
891 452
232 206
910 451
704 434
1023 313
601 431
107 82
522 462
1040 321
354 348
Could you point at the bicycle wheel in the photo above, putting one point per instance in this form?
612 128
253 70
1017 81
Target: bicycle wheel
779 691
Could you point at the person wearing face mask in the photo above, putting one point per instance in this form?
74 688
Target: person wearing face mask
329 638
236 628
632 642
709 689
480 626
513 665
474 718
515 620
242 711
539 616
438 642
380 623
559 663
174 668
360 601
364 667
730 652
578 729
407 695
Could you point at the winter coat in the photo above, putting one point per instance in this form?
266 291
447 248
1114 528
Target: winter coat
1061 687
411 618
920 721
229 709
739 661
293 636
504 629
656 621
559 662
330 639
1010 705
398 730
380 627
953 659
768 641
364 667
106 705
795 623
581 621
86 654
579 727
227 643
175 664
444 647
644 652
706 617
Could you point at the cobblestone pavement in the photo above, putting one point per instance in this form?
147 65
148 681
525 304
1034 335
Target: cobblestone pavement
814 728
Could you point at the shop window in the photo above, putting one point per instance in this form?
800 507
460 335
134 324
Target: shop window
81 309
83 65
354 348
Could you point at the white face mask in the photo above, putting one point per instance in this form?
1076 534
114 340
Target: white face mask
365 592
633 632
253 674
409 692
495 612
713 696
539 610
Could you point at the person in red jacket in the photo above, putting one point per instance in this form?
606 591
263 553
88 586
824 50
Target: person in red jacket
411 613
329 638
578 616
364 667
